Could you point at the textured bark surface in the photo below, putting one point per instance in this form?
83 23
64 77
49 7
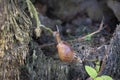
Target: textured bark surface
112 66
14 39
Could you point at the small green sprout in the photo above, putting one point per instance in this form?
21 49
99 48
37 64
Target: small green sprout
97 67
88 37
93 73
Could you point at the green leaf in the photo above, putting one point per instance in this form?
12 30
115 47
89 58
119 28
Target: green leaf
91 71
98 78
105 77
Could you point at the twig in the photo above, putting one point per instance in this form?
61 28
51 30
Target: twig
103 61
46 28
44 45
84 37
33 13
78 39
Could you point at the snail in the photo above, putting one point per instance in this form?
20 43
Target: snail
65 51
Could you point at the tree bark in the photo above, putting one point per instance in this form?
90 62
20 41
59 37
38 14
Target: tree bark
112 66
14 39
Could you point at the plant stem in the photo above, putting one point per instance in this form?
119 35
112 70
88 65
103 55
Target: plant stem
46 28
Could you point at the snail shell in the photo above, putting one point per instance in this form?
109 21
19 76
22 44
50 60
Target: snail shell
65 52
